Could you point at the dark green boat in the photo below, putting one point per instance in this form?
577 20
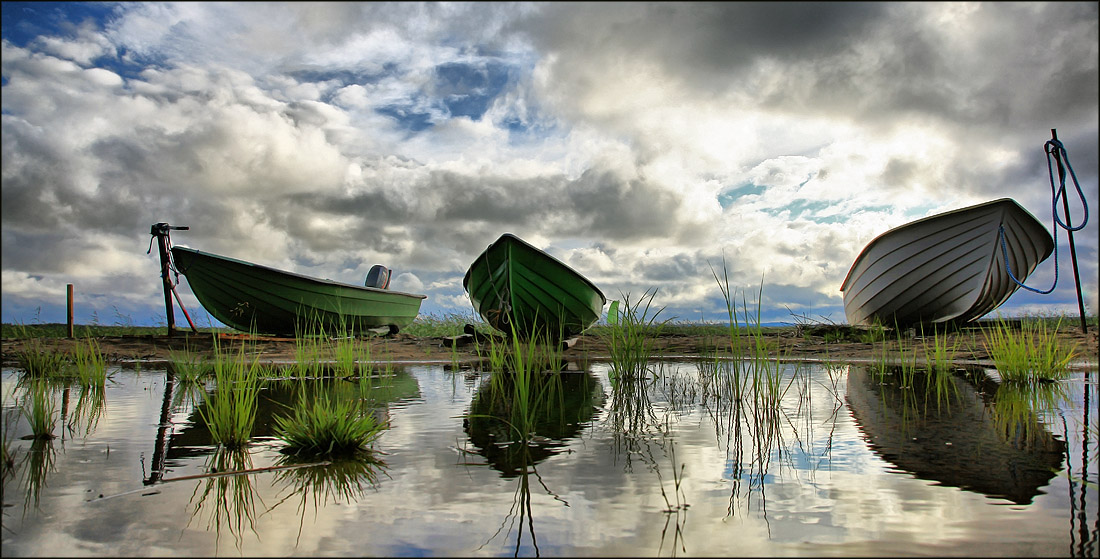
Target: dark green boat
264 300
513 284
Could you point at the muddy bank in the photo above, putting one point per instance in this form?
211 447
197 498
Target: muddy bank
794 343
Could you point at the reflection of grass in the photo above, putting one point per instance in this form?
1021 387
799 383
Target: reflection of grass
1032 352
90 406
1018 406
37 463
229 499
342 481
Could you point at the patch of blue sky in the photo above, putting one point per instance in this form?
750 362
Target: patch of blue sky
408 118
344 77
923 210
23 22
809 210
727 197
469 89
457 90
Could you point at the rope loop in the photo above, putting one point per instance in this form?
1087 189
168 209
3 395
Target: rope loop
1056 151
1056 154
1008 267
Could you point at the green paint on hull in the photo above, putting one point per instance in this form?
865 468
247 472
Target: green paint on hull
514 283
255 298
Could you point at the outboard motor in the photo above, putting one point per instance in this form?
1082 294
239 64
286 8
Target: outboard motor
378 276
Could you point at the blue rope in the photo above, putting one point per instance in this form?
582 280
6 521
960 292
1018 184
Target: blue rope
1054 149
1004 251
1058 151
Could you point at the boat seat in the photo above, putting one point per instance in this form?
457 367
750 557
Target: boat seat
378 276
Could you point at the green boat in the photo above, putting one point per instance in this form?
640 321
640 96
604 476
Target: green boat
520 289
263 300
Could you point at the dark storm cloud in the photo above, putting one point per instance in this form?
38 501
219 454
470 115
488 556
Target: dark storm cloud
699 39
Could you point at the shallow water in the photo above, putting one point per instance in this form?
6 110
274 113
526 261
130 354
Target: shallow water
841 462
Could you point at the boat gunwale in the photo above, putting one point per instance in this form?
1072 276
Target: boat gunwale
311 279
510 236
916 222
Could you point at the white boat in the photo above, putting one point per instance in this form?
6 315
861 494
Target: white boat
948 267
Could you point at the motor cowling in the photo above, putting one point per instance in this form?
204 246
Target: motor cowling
378 277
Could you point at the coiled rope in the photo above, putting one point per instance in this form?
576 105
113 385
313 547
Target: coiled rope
1056 153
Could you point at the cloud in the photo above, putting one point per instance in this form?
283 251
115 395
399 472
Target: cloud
640 143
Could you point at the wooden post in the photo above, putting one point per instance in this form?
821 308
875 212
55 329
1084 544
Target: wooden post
69 306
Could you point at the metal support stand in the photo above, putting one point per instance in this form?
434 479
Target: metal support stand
161 232
1069 231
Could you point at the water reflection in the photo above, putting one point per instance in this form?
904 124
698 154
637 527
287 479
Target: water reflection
35 466
515 429
343 480
180 441
950 437
516 421
228 499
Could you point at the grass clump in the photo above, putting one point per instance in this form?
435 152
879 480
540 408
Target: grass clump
320 424
39 409
89 363
230 411
1034 352
630 335
34 357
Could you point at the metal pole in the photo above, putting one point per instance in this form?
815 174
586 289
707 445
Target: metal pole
1069 232
162 240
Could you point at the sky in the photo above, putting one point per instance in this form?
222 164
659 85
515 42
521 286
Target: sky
649 146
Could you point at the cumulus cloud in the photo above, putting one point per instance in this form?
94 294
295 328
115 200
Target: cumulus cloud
646 145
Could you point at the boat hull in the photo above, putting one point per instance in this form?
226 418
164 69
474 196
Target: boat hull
519 289
943 431
259 299
948 267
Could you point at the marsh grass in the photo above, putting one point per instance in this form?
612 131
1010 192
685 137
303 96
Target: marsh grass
38 360
321 424
39 408
188 366
940 352
230 412
630 335
1034 352
89 363
446 325
525 380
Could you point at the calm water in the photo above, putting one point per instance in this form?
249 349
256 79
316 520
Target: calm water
840 462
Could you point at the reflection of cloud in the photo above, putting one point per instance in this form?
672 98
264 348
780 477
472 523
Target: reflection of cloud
644 140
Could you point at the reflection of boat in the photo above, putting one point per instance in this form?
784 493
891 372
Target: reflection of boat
515 284
946 267
251 297
951 438
559 404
